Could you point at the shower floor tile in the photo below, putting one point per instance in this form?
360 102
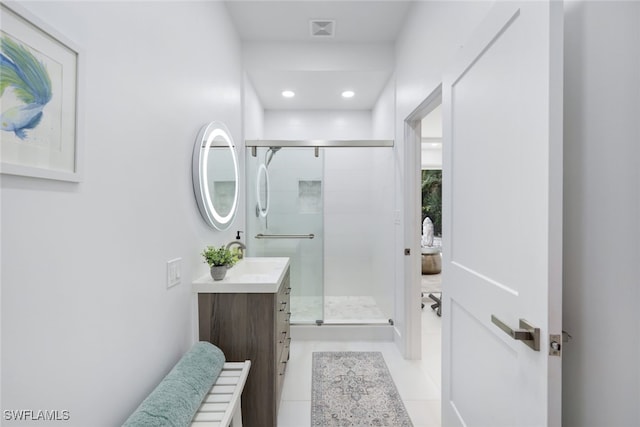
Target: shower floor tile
337 309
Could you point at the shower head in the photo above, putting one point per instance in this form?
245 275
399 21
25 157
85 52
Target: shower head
270 153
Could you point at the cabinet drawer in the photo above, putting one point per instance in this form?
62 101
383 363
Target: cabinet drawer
281 339
283 307
281 368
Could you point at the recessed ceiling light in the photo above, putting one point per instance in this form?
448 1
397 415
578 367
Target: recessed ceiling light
348 94
288 93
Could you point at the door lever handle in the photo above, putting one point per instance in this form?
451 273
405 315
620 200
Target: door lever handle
528 334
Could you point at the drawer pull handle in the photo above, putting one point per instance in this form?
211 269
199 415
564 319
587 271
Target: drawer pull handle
284 368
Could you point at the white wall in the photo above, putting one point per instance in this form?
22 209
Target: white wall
431 155
317 124
383 113
253 112
601 373
253 127
382 199
88 324
432 34
431 133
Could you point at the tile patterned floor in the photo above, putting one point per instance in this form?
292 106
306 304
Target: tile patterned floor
418 381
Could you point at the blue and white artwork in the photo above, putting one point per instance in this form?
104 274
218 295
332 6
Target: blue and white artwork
26 81
39 123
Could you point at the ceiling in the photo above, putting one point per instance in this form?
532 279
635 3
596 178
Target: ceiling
287 21
285 25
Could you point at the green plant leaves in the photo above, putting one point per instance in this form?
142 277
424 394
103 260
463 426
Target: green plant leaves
432 199
219 256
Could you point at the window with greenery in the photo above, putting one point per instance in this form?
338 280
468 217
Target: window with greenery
432 199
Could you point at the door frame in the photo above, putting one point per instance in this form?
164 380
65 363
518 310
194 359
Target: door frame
412 216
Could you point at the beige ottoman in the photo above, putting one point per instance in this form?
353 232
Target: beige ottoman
431 260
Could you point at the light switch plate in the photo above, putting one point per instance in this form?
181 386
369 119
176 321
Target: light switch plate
174 272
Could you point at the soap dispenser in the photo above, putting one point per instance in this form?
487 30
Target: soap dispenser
239 244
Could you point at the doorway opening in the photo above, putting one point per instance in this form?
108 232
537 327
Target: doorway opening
431 209
431 243
423 233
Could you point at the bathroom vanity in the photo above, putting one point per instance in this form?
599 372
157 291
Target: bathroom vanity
247 316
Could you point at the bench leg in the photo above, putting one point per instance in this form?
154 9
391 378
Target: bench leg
236 421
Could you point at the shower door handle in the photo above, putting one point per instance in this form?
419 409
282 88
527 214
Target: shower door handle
285 236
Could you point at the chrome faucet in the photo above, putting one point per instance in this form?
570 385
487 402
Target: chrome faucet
240 245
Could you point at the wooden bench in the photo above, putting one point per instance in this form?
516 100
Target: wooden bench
221 406
201 390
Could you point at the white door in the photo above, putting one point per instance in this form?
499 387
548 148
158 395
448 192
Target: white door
502 204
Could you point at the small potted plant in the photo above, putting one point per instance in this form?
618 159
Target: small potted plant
219 259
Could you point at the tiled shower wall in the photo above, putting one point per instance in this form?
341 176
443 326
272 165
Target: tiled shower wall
356 200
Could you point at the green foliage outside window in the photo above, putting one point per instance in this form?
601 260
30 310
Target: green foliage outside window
432 199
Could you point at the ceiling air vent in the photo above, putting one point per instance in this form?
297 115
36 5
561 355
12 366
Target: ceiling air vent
323 28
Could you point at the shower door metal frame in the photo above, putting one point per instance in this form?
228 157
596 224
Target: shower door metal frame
301 143
316 143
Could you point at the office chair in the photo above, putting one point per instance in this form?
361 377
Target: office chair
437 305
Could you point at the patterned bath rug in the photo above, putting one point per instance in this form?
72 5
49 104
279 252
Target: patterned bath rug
353 388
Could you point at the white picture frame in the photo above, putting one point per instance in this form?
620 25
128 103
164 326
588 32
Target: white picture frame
40 111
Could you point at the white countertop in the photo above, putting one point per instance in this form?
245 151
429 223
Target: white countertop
249 275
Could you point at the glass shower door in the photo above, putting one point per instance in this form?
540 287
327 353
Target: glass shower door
285 218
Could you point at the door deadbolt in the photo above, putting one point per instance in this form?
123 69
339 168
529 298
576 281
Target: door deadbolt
555 345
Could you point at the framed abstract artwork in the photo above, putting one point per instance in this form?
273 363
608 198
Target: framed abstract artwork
39 99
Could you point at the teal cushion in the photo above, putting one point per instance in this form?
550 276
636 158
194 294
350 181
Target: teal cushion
176 399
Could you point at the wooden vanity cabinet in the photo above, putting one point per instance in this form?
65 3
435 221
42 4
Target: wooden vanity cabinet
252 326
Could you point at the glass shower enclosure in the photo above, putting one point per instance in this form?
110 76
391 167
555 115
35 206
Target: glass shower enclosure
285 218
329 209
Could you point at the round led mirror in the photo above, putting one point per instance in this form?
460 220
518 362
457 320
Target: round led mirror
215 175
